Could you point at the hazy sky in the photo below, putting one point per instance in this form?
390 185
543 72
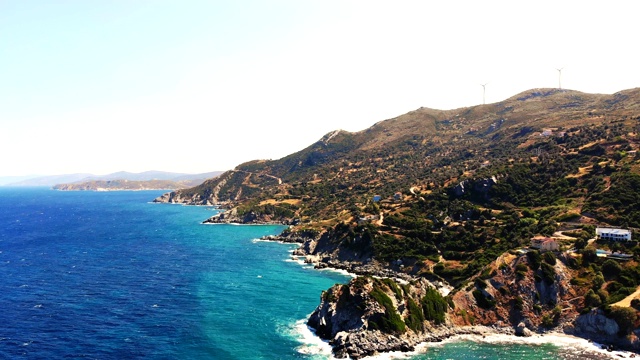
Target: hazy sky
197 86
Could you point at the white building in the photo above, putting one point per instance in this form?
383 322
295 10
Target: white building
613 234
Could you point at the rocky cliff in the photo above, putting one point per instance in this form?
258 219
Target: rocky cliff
371 315
517 294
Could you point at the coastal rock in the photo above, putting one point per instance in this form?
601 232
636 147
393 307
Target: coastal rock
521 330
233 217
356 345
339 311
596 325
176 197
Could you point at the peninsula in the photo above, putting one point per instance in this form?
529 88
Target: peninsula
150 180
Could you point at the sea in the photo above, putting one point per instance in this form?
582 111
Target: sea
111 275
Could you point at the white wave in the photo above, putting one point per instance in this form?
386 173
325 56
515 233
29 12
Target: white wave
310 343
339 271
562 341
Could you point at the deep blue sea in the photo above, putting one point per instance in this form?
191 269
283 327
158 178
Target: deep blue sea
109 275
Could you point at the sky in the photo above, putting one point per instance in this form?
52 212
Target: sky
197 86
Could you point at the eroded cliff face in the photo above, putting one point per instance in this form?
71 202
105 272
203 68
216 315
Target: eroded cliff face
516 294
516 290
176 197
370 315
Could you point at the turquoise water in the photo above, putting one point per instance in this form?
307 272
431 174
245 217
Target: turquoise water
108 275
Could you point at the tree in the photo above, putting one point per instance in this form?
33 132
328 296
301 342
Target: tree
611 268
591 299
598 281
588 255
580 244
625 318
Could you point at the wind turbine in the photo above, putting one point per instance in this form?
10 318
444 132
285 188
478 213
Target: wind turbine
484 91
560 78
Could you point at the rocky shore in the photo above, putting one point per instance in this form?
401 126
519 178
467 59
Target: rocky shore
250 218
346 312
356 345
349 322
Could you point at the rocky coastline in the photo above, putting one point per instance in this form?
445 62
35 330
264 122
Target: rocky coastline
349 330
351 335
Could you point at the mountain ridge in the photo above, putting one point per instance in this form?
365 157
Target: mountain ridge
64 179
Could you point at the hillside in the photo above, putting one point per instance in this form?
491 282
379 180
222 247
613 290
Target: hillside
454 197
430 151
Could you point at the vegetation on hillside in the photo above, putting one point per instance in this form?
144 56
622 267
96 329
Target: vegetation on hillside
442 194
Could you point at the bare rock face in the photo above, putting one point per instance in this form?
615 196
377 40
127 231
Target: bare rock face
521 330
370 316
176 197
339 311
479 186
596 325
367 343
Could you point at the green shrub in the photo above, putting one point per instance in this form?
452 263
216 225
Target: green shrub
521 267
483 301
434 306
521 271
415 320
614 286
535 259
625 318
548 273
481 283
598 281
549 258
390 322
591 299
547 321
393 287
611 268
518 303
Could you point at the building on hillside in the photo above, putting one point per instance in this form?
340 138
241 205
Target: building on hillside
613 234
368 219
377 198
397 196
544 243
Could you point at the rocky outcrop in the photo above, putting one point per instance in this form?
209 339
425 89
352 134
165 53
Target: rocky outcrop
522 330
232 216
478 187
366 343
370 316
177 197
596 325
364 317
518 301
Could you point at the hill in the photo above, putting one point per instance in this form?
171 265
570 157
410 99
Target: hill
149 180
454 198
432 151
111 185
183 180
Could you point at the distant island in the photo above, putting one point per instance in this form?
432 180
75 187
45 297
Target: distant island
115 185
150 180
63 182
